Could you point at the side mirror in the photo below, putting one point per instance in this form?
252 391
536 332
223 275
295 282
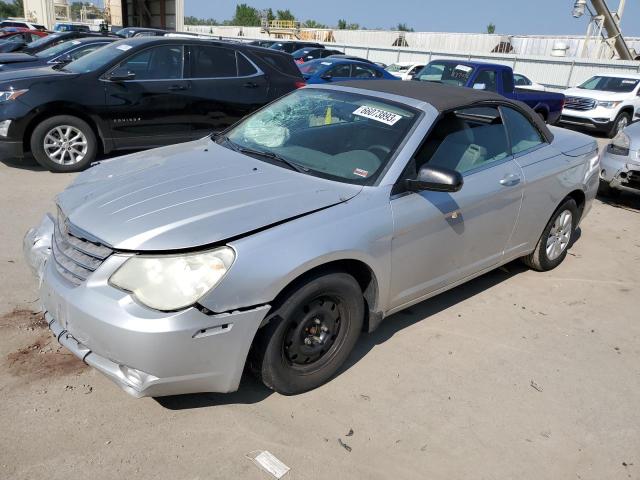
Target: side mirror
64 59
437 179
121 74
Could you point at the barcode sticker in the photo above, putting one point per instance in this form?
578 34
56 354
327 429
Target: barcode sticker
378 114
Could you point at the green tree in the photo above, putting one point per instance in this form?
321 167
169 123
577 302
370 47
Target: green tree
314 24
403 27
491 28
190 20
14 8
342 24
285 15
270 15
246 16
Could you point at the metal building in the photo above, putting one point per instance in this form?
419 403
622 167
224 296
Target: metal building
167 14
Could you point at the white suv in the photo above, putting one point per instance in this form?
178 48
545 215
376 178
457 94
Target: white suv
405 70
605 103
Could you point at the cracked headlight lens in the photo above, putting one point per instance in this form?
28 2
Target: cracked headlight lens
173 282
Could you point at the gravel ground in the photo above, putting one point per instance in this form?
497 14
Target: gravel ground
516 374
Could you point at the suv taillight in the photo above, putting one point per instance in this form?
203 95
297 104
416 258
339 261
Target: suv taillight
300 84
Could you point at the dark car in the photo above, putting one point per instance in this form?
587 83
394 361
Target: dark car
71 27
340 70
136 93
59 54
357 59
262 43
56 38
292 46
311 53
129 32
14 38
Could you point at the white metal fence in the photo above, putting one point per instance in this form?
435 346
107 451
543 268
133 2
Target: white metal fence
554 72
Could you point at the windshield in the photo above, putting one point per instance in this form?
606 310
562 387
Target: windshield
43 41
98 58
57 49
397 68
610 84
337 135
447 73
310 68
301 53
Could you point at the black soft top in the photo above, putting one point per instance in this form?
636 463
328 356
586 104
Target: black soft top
445 98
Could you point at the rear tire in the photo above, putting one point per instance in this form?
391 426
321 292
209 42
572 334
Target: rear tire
556 238
64 143
309 335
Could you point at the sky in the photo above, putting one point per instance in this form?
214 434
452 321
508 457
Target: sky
544 17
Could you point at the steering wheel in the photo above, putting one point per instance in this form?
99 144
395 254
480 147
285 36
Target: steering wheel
381 151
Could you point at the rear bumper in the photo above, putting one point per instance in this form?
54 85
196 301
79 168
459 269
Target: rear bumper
621 172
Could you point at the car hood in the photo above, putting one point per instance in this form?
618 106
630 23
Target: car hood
190 195
16 58
596 94
27 76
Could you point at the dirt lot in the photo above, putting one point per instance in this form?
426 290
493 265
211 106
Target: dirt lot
515 375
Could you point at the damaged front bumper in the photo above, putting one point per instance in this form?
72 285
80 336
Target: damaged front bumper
621 172
144 351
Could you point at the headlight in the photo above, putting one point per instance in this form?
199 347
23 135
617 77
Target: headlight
620 144
608 104
9 95
172 282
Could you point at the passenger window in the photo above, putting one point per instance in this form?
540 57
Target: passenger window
522 133
363 72
213 62
157 63
245 68
340 71
486 80
465 140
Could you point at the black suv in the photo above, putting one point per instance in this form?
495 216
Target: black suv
292 46
136 93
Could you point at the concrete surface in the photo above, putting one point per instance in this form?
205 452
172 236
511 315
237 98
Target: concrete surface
517 374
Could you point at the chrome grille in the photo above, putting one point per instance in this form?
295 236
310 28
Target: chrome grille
74 257
579 103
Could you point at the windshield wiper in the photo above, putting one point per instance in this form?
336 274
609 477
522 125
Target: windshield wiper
261 153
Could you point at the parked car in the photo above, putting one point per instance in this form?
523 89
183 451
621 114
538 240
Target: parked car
71 27
129 32
14 38
339 70
276 243
620 163
604 103
262 43
405 70
292 46
136 93
55 39
493 78
311 53
356 58
522 81
20 23
59 54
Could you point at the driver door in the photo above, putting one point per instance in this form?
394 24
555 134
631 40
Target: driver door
442 238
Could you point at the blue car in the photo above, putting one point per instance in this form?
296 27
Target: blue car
327 70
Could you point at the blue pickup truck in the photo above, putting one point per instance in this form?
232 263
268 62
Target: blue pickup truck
495 78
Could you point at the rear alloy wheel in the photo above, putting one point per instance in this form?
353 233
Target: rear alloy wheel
555 240
310 335
64 144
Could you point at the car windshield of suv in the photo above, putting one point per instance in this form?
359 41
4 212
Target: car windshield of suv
341 136
610 84
96 59
456 74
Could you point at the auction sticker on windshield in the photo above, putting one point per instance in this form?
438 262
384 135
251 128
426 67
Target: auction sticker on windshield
377 114
124 48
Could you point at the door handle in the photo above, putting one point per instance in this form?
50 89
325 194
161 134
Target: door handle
510 180
177 88
250 85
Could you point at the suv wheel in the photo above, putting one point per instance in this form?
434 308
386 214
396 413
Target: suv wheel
64 144
309 335
622 120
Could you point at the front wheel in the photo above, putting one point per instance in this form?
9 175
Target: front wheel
309 335
554 242
64 144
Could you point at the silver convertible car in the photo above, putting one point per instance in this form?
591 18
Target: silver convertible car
274 244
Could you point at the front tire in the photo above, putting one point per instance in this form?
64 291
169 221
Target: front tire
64 144
622 120
309 335
556 238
